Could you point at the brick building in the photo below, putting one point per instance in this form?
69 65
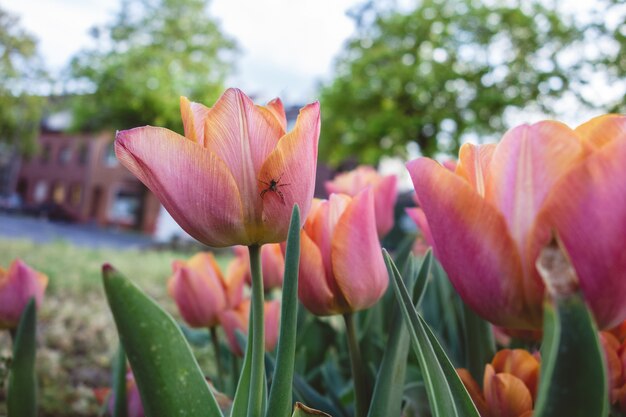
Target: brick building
80 175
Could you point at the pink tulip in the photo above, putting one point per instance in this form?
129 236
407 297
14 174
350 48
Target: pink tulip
237 320
133 400
235 175
492 216
341 267
200 290
17 286
272 261
384 188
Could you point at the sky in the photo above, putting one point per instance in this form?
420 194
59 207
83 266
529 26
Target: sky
286 46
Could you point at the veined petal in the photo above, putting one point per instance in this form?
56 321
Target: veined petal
293 162
588 210
506 395
473 165
191 182
313 286
242 136
602 130
356 254
278 111
474 247
193 115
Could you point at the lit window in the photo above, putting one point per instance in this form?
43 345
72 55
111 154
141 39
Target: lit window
76 192
58 193
40 192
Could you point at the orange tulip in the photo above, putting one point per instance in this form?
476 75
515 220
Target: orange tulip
235 175
384 188
272 261
509 385
492 216
17 286
237 319
200 290
341 267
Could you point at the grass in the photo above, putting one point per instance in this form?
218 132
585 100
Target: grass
76 333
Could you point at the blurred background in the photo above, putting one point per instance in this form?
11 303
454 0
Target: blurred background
396 79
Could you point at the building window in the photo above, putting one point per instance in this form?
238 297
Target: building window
76 192
83 154
45 153
58 193
40 192
110 159
125 208
65 155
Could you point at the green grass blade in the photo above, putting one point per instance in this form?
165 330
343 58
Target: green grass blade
446 394
120 408
573 379
169 379
280 400
22 390
242 394
422 278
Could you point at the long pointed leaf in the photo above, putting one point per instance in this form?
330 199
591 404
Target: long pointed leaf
22 390
280 401
446 393
169 379
240 402
120 408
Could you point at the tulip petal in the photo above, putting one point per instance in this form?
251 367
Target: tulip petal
588 210
385 196
294 162
242 135
474 391
272 323
313 287
356 254
520 363
278 111
603 129
473 165
193 115
418 216
191 182
17 286
474 247
506 395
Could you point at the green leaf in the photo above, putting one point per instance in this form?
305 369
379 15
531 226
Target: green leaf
479 344
446 394
120 408
422 278
22 390
389 388
301 410
242 395
168 377
280 400
573 379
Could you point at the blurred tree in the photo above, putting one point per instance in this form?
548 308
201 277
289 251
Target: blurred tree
21 73
153 52
444 69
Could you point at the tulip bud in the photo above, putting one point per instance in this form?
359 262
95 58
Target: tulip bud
237 320
17 286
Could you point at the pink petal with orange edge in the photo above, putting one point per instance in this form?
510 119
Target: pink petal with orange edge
588 210
313 288
272 323
191 182
242 136
356 254
193 115
17 286
294 162
474 247
199 297
235 279
603 129
385 196
473 165
278 111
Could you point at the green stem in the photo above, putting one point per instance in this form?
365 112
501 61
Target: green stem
358 376
255 401
218 359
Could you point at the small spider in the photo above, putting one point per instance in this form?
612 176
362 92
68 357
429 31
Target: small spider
272 186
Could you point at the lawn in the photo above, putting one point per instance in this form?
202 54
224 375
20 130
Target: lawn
76 333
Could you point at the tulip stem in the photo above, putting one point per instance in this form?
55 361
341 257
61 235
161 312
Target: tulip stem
358 376
218 359
257 329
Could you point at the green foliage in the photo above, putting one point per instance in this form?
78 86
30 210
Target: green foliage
22 391
21 71
445 69
153 51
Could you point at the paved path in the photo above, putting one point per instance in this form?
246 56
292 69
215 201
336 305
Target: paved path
41 231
